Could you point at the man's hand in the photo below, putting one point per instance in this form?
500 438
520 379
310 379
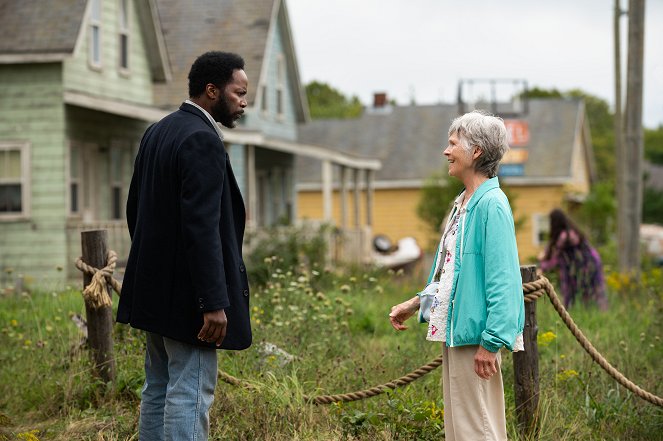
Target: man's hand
402 312
485 363
214 327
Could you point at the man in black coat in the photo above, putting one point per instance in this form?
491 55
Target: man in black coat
185 281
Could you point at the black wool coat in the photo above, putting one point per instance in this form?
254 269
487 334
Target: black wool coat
186 219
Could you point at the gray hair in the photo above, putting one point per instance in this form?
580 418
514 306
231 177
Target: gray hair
488 133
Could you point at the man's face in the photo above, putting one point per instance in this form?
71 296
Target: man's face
230 105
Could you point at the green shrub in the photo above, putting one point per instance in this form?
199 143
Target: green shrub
291 245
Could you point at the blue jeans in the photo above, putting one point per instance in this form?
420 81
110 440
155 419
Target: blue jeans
178 391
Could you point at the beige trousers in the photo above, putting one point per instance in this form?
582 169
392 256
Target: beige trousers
473 407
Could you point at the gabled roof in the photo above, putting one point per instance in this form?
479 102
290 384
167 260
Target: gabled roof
192 27
409 140
293 64
34 31
34 28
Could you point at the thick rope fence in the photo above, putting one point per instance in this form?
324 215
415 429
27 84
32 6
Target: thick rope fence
97 295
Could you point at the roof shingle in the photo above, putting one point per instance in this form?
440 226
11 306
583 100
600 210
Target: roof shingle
33 27
410 140
192 27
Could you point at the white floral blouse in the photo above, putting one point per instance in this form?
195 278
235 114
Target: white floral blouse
437 326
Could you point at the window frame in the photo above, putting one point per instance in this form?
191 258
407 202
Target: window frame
540 224
124 30
24 149
71 180
95 23
118 181
87 162
264 101
280 86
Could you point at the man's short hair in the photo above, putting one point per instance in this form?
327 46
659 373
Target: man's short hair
213 67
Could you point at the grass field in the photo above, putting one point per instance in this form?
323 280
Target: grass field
336 329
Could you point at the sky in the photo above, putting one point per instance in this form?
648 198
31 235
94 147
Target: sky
420 49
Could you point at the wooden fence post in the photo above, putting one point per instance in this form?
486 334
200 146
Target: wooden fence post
526 368
99 320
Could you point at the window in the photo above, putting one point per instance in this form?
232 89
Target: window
540 229
14 179
95 33
116 182
124 36
83 177
263 98
280 85
74 179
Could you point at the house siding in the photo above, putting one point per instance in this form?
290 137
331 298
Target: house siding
274 190
31 110
528 202
282 126
395 214
101 132
238 164
107 81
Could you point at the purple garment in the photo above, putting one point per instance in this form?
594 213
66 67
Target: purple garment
580 270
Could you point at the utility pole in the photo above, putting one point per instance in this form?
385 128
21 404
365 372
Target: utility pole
620 155
633 139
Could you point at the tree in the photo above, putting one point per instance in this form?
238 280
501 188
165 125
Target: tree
597 213
437 196
538 92
654 145
602 128
326 102
652 209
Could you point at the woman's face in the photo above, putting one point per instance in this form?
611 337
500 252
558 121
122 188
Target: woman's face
461 162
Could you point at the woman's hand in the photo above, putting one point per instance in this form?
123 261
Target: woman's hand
485 363
402 312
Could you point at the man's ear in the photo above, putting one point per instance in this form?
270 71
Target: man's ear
212 91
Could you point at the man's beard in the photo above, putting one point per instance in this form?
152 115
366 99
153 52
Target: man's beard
221 113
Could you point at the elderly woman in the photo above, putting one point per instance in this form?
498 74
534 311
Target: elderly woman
478 305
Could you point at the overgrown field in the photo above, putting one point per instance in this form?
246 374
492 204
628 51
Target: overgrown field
337 331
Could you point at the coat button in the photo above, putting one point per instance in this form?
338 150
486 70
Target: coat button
246 293
241 267
202 306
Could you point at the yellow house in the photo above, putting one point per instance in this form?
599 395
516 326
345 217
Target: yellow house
550 165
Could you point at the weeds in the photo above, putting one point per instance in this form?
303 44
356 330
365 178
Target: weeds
335 328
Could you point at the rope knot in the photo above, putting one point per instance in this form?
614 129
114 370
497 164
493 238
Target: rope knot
535 289
96 294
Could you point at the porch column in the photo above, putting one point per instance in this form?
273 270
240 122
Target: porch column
356 196
369 197
327 190
344 197
252 184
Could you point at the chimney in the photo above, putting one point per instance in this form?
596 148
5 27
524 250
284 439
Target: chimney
379 100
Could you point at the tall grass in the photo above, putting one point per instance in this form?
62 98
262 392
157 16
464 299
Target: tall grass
336 329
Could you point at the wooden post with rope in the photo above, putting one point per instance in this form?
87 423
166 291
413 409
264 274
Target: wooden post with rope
526 367
99 317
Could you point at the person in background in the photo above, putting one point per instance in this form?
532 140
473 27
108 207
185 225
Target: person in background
578 263
185 283
478 306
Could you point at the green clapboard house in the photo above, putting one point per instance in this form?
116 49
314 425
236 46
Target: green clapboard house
80 81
